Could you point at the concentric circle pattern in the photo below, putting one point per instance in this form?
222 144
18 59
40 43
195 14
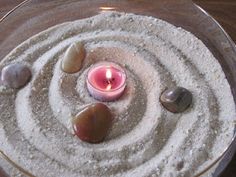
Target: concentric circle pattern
145 140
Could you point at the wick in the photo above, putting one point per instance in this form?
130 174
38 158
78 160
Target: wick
109 85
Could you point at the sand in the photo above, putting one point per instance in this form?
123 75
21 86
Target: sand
145 140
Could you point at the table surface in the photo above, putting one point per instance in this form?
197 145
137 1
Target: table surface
224 11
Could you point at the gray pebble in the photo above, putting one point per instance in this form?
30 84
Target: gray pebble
15 75
176 99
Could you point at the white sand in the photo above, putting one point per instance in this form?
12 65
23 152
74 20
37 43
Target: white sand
145 140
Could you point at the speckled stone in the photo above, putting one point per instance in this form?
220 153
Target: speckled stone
15 75
93 123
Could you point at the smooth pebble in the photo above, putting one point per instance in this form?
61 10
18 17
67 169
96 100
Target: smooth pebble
93 123
15 75
73 58
176 99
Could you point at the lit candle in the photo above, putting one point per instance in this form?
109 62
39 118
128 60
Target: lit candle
106 81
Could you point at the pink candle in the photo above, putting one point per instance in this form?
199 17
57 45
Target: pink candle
106 81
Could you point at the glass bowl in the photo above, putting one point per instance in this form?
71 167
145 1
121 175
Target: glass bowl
33 16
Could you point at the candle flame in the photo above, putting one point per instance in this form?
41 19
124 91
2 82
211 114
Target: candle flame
108 74
106 8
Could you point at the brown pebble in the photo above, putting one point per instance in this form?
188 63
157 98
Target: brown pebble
176 99
93 123
73 58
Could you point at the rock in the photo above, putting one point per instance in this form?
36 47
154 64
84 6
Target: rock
176 99
16 75
73 58
93 123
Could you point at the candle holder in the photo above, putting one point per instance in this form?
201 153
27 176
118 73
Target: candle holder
106 81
